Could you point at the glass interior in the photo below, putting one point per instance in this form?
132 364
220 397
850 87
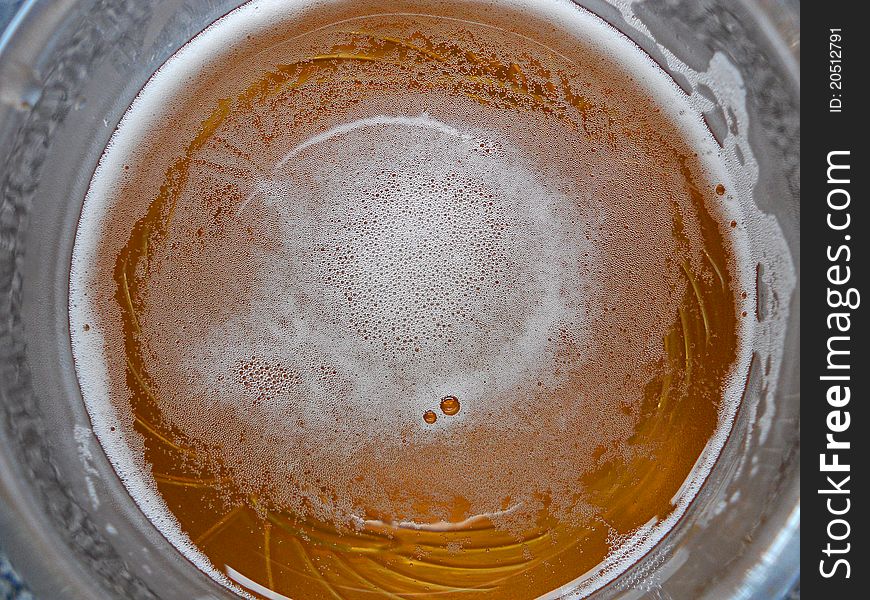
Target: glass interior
69 70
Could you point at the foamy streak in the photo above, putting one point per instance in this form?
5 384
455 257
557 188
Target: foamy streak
423 121
90 349
443 525
252 585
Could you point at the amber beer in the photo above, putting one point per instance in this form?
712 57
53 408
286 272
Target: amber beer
392 299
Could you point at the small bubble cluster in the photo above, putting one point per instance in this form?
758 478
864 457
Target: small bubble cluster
267 381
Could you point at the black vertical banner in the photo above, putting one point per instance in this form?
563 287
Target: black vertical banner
835 432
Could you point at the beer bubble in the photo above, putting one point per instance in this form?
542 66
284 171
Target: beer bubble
450 405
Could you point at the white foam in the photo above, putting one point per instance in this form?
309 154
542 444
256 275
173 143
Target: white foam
424 288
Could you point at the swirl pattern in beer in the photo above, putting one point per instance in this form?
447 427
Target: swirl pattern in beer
430 303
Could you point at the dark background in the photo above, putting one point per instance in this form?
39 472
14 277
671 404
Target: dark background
823 132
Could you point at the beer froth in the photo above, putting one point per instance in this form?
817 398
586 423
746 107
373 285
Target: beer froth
326 237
